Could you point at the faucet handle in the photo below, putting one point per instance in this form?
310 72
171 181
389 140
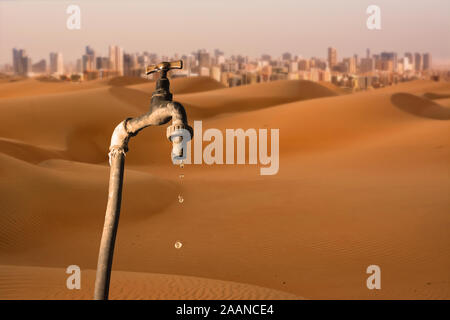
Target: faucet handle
164 66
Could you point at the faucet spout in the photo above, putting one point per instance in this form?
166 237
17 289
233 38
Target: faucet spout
179 133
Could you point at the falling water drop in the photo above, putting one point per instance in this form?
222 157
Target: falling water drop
182 164
180 198
178 245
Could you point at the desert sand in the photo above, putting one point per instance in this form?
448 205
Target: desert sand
364 179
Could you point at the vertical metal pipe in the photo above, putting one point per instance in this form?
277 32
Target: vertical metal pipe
105 257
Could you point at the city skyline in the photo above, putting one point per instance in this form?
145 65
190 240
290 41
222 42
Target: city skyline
91 54
236 28
373 70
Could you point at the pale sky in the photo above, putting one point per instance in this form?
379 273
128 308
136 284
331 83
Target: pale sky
248 27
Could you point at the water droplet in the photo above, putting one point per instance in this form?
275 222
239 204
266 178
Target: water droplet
178 245
180 199
181 176
181 164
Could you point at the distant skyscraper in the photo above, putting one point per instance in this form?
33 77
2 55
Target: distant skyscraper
129 64
116 59
88 60
286 56
203 59
332 57
418 62
367 53
90 51
216 73
56 63
410 57
27 65
352 65
303 65
218 52
220 59
21 62
367 65
426 61
78 66
188 63
17 61
293 66
266 57
102 63
389 56
40 67
407 63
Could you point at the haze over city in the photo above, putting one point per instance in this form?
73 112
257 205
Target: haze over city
248 28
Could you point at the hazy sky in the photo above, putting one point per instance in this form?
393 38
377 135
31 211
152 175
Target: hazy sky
249 27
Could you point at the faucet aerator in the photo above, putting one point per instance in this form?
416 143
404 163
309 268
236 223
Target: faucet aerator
179 135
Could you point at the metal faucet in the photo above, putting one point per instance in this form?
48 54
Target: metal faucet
162 110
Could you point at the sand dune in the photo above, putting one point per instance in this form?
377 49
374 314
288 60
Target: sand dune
419 106
363 180
183 85
126 81
253 97
436 96
81 129
33 87
443 102
237 99
50 283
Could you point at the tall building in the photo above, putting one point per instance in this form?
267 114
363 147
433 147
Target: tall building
40 67
367 65
78 66
102 63
286 56
17 60
116 59
216 73
266 57
407 64
389 56
203 59
367 53
426 63
349 65
56 63
130 64
88 60
353 64
188 63
21 62
410 57
27 66
418 62
303 65
332 57
218 52
293 66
